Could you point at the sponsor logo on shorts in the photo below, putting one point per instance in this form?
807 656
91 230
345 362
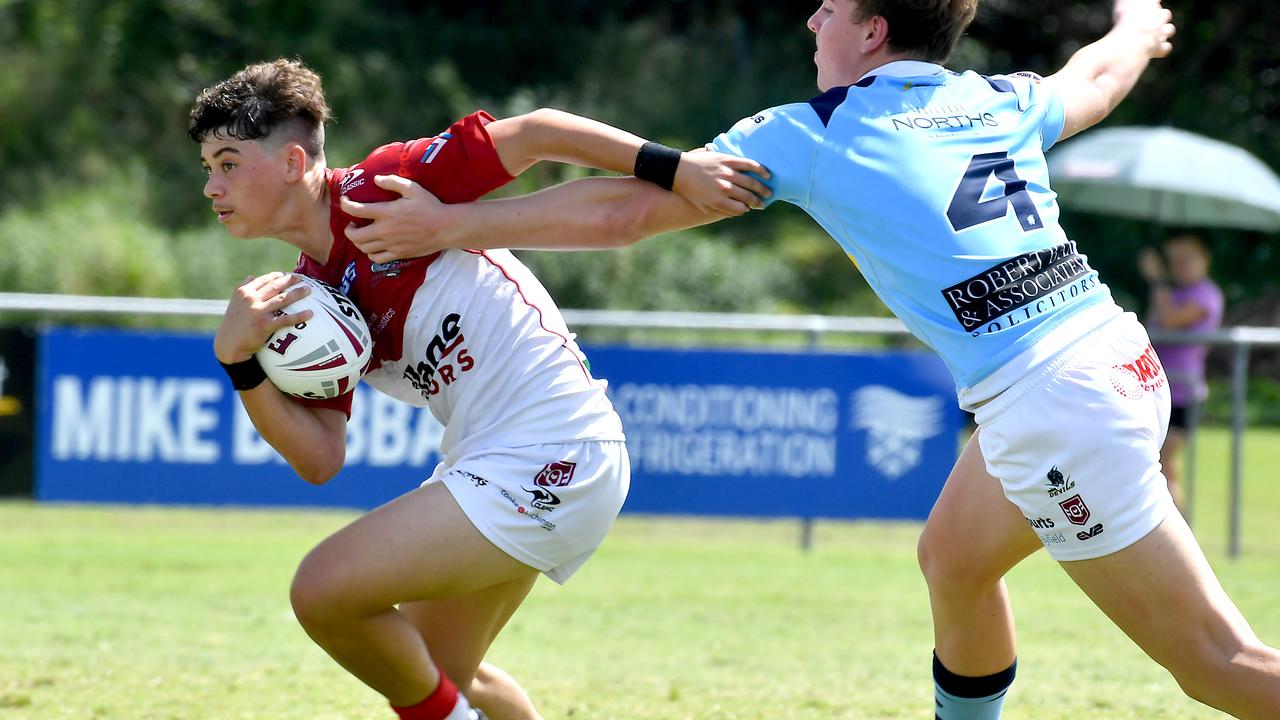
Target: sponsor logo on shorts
521 509
542 499
1058 485
1135 379
1041 523
1052 538
475 479
1076 511
556 474
1091 533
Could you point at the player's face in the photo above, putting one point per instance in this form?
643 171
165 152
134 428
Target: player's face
839 42
246 184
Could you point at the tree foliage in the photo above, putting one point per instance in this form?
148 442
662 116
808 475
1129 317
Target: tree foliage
102 183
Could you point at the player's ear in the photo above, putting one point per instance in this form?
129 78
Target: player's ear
296 161
877 34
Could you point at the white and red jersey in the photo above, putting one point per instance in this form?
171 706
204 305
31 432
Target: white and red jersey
472 335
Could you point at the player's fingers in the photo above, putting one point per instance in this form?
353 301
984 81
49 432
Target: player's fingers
359 234
292 294
358 209
285 320
745 165
258 283
746 198
734 208
279 285
394 183
751 184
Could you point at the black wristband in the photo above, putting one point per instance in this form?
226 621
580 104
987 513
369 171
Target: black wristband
246 374
657 163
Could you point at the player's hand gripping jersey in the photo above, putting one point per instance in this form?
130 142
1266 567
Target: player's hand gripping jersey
472 335
936 184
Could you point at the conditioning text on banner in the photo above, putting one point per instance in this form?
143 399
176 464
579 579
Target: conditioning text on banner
716 432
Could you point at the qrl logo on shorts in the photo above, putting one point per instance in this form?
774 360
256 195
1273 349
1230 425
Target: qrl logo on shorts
556 474
1075 509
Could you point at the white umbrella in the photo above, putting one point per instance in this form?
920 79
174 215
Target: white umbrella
1168 176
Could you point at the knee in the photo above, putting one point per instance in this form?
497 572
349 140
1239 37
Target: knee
315 593
947 567
1210 670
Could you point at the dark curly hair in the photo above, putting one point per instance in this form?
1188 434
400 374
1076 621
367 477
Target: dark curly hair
258 100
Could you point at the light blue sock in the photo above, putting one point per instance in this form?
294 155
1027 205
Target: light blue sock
970 698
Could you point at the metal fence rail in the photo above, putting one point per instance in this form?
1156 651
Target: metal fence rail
1240 339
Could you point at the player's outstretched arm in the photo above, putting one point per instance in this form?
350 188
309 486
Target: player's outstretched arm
715 183
588 214
1100 75
313 440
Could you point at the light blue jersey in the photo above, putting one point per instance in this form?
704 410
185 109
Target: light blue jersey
935 183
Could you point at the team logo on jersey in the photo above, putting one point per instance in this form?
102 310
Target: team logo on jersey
390 269
897 426
351 181
556 474
1020 289
348 278
1135 379
1059 485
746 127
1076 511
433 149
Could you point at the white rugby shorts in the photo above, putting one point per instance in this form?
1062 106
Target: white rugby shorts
1076 443
548 506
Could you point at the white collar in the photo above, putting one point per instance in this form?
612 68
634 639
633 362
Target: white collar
904 68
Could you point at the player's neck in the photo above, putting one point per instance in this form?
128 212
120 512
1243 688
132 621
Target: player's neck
306 212
880 59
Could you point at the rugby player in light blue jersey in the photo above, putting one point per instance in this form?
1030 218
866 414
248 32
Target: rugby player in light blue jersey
935 182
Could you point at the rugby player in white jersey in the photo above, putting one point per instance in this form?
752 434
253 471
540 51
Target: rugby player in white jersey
936 183
409 597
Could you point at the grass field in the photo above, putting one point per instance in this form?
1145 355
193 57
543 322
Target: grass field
161 613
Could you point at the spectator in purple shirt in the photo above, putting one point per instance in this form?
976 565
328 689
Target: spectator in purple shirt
1182 299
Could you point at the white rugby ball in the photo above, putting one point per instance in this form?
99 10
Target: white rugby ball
323 357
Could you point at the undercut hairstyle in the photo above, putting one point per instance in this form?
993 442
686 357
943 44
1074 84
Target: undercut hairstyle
262 99
924 29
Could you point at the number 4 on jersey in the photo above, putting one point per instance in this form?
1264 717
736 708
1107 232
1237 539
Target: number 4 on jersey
968 209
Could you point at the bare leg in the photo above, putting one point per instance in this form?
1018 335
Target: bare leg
418 547
1171 463
459 631
1162 593
974 535
499 695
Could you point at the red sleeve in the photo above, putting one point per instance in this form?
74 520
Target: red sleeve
342 403
458 165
